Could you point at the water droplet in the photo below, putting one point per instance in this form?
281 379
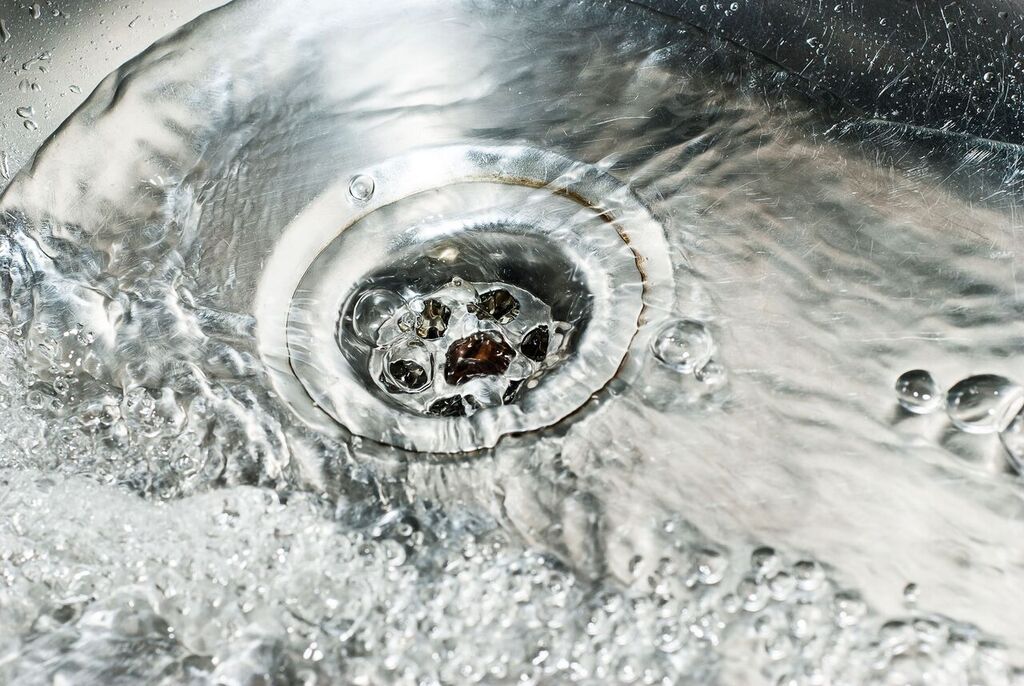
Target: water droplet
371 310
31 125
5 34
917 392
74 89
684 345
985 403
989 77
25 112
361 187
41 57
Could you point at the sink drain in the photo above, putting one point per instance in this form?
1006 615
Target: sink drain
465 347
443 300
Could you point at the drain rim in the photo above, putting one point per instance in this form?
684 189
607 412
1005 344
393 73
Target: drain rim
336 211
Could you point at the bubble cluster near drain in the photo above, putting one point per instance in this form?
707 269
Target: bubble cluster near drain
461 348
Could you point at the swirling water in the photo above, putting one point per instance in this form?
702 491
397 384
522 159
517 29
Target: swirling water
772 517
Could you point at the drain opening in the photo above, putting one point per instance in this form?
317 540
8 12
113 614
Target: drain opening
464 347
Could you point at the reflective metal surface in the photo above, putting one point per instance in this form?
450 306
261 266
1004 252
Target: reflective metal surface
51 59
954 66
727 488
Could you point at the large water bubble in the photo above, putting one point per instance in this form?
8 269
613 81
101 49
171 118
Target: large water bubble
984 403
684 345
917 392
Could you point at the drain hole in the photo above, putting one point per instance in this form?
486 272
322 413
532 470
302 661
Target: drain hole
453 406
482 354
535 344
433 320
499 305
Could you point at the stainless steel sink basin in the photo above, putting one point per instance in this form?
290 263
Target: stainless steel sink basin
511 342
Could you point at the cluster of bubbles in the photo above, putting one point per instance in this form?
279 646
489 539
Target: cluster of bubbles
165 442
240 587
979 404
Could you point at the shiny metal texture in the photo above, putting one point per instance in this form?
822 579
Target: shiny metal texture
725 473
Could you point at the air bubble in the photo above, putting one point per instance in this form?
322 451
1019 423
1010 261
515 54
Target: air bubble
983 404
684 345
809 575
408 368
764 561
910 593
849 609
361 187
711 567
917 392
712 375
371 310
754 596
781 586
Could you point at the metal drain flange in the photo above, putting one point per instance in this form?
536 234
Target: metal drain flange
442 300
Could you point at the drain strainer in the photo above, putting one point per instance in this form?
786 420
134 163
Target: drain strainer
443 300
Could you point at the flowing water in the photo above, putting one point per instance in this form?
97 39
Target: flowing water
711 477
